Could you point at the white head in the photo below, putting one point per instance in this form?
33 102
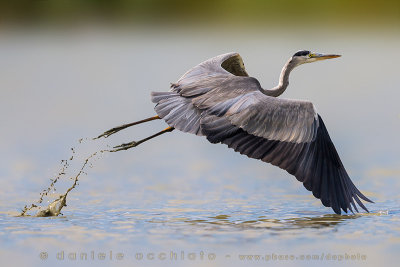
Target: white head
305 56
300 57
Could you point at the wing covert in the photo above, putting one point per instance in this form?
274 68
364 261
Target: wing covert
273 118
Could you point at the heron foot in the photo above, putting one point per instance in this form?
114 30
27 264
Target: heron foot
129 145
125 146
111 132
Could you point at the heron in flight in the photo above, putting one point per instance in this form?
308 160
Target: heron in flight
219 100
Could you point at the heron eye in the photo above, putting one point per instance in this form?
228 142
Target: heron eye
310 55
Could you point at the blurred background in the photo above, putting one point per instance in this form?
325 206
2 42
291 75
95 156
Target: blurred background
72 69
234 13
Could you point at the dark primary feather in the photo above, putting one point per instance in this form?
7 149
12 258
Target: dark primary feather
316 164
217 99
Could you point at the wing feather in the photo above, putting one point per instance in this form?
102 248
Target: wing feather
261 115
315 164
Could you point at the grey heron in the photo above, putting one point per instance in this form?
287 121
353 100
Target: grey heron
219 100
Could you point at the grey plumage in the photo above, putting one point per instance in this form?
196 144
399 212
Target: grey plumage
218 99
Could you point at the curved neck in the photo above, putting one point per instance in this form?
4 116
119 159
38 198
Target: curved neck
283 80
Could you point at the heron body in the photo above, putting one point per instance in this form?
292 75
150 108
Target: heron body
217 99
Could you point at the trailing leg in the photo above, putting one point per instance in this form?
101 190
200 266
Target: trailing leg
121 127
129 145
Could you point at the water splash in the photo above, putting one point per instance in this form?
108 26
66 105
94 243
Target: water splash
55 207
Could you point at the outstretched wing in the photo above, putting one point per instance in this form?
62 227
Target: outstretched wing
218 99
316 164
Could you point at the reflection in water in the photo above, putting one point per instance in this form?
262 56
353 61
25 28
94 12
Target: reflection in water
328 220
324 221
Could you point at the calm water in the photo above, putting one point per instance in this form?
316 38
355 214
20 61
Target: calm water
179 200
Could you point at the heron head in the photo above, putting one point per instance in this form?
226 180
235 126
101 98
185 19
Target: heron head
305 56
